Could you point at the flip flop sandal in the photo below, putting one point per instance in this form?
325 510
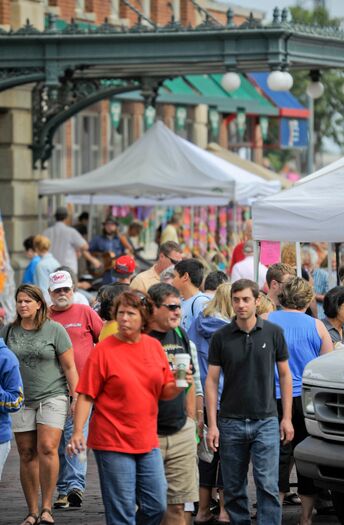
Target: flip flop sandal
45 522
29 522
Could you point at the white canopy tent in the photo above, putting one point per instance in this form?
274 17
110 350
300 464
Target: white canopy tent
161 166
311 211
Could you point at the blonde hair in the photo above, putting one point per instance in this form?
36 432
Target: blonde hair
265 304
221 303
41 244
296 294
288 254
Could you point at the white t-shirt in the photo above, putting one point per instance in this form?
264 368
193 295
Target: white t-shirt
65 241
245 270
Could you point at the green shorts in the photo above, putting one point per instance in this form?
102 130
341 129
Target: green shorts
51 412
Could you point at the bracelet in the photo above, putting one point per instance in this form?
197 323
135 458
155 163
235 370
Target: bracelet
199 411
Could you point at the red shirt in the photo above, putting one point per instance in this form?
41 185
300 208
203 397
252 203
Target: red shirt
83 326
125 380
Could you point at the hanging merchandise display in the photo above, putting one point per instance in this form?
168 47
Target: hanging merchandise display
203 230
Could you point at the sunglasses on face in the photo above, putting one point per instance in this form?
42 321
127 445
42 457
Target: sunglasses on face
172 307
64 290
173 261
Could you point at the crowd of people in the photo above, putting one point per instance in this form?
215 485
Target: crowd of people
79 372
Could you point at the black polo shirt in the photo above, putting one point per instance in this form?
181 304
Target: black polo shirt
248 364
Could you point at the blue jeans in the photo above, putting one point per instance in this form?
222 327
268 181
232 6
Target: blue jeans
72 473
127 480
240 441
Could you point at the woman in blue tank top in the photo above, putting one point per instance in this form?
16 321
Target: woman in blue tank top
306 338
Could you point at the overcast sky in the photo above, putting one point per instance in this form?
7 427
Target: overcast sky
336 7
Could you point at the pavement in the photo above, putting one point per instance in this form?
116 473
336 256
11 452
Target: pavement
13 507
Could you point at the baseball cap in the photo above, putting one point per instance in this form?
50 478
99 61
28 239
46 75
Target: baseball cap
60 279
123 266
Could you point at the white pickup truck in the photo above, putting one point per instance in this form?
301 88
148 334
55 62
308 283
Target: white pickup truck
321 455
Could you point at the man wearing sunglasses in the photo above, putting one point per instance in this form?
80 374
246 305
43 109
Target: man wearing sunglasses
170 253
176 417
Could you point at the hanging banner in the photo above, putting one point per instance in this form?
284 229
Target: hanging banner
293 133
181 115
149 116
264 127
214 120
241 122
270 252
115 113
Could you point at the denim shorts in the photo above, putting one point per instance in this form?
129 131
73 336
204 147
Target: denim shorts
4 451
51 412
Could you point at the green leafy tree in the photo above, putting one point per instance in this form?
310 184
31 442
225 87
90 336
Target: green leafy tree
329 108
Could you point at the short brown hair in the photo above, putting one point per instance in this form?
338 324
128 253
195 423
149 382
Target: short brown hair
37 295
276 271
242 284
169 246
296 294
138 300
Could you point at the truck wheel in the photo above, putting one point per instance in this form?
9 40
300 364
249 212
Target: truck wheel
338 503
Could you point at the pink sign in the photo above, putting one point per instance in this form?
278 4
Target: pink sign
270 252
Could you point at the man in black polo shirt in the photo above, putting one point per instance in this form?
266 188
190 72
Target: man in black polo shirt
247 351
176 417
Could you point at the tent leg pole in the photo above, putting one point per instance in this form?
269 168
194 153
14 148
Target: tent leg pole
256 257
90 219
298 259
40 214
235 225
329 265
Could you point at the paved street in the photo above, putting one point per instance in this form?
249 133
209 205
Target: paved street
13 509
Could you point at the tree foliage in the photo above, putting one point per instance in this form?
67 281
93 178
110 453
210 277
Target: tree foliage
328 109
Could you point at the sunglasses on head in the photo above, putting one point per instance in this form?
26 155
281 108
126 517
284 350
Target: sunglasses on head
172 307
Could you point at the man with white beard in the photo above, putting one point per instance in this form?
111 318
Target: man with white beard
83 326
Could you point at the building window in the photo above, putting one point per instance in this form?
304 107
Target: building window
86 143
57 164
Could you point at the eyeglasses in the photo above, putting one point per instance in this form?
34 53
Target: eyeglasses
173 261
64 290
172 307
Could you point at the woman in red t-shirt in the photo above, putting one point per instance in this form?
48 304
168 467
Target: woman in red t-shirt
123 379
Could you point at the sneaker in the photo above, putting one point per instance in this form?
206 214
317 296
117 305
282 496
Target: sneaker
75 498
61 502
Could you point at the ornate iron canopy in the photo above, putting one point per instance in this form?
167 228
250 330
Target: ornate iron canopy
70 66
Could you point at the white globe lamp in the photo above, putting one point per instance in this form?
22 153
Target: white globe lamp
230 81
277 81
315 88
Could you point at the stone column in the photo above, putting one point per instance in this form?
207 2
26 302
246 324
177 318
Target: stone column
19 197
200 127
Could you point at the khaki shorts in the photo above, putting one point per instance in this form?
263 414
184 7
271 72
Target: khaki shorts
51 412
179 452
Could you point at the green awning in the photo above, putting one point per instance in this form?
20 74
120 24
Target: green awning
193 90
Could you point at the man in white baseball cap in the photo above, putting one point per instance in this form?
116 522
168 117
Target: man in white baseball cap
83 326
